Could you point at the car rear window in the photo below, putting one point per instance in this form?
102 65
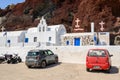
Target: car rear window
33 53
98 53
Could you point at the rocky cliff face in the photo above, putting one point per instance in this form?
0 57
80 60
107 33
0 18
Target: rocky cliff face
98 10
25 15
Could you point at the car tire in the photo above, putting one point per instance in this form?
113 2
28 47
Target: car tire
29 66
43 64
87 69
56 60
108 71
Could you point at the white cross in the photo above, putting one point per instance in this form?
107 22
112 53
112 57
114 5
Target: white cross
77 21
2 28
101 24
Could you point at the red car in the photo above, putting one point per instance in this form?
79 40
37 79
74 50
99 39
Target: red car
98 59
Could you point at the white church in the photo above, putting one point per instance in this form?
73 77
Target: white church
55 35
42 35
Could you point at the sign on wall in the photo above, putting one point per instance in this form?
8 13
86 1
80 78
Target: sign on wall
103 38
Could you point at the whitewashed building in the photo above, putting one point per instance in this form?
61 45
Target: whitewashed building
78 39
54 35
12 37
85 39
44 34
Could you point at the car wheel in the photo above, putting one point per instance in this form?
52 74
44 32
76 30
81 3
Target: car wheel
56 60
108 71
43 64
29 66
87 69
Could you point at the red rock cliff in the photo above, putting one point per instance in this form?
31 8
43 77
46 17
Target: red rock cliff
65 12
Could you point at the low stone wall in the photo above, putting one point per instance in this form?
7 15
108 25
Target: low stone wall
78 54
67 54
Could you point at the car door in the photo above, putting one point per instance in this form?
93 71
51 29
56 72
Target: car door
51 56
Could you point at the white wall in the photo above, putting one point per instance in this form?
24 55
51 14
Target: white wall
67 54
13 39
2 41
42 36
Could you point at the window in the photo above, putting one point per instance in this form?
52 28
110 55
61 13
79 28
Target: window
98 53
49 29
50 52
43 28
50 38
42 22
39 29
33 53
43 53
8 41
35 39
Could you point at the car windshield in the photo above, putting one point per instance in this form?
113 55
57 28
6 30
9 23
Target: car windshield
33 53
99 53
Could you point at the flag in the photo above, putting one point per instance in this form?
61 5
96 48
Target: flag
5 34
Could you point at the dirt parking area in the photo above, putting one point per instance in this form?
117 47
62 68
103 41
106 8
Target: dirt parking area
61 71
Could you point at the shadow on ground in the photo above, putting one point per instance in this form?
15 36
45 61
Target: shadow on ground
48 66
114 70
53 65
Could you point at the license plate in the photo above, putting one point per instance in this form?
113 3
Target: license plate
30 59
96 67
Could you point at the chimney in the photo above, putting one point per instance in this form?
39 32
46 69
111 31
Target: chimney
92 27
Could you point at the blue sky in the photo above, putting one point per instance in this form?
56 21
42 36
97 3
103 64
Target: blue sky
5 3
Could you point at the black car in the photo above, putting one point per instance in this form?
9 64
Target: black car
40 58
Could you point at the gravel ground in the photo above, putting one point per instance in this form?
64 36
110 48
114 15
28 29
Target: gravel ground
61 71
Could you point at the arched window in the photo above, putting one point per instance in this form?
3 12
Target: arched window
42 22
43 28
39 29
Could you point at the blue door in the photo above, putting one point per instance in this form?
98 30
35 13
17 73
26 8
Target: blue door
76 41
67 42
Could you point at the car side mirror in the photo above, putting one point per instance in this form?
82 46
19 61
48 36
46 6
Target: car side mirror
111 55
